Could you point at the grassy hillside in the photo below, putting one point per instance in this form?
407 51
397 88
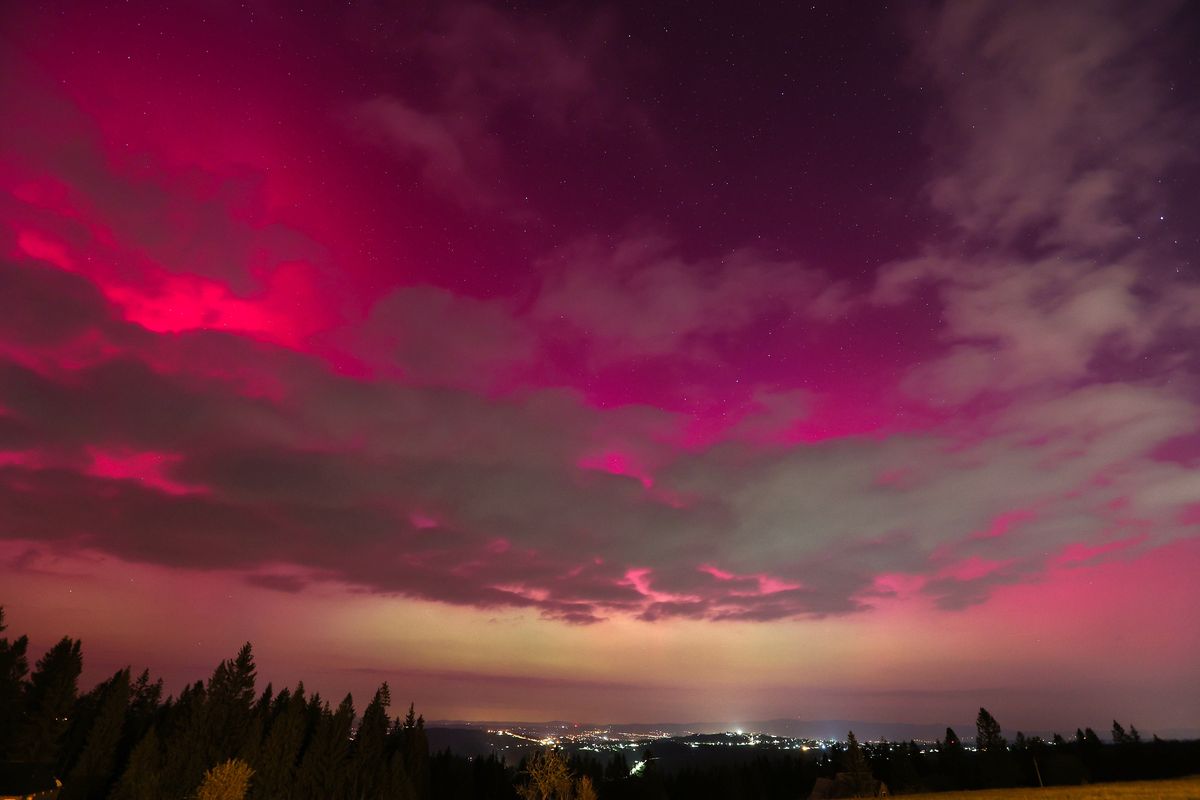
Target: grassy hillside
1181 789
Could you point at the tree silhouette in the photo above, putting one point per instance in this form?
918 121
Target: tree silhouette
414 747
369 754
185 742
143 774
952 759
987 733
144 699
323 770
14 666
227 715
262 712
92 773
858 772
49 696
276 762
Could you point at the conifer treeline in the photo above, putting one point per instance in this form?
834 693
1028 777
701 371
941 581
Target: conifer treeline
123 741
1027 761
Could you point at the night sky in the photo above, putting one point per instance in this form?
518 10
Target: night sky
635 362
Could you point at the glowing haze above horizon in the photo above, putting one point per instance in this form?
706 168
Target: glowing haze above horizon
636 362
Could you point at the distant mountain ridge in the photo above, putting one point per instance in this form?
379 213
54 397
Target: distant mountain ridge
809 729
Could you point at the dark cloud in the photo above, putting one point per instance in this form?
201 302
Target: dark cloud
640 297
406 335
42 306
495 80
1078 123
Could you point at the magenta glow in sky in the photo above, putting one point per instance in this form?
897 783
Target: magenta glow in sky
670 363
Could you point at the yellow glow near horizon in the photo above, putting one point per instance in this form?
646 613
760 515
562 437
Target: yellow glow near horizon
504 663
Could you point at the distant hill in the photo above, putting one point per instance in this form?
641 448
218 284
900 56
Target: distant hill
863 729
806 729
796 728
463 741
670 753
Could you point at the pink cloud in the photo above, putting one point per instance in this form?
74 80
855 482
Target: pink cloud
35 245
1002 523
286 313
896 584
1083 553
972 569
147 468
765 584
615 463
640 579
422 521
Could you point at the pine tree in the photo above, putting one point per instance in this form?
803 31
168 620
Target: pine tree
415 749
73 740
230 695
266 702
323 770
144 699
14 667
1118 733
370 745
395 783
143 774
184 735
253 742
281 750
92 773
49 696
987 733
951 759
862 782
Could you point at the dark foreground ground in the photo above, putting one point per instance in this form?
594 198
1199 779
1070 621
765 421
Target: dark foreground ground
1180 789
